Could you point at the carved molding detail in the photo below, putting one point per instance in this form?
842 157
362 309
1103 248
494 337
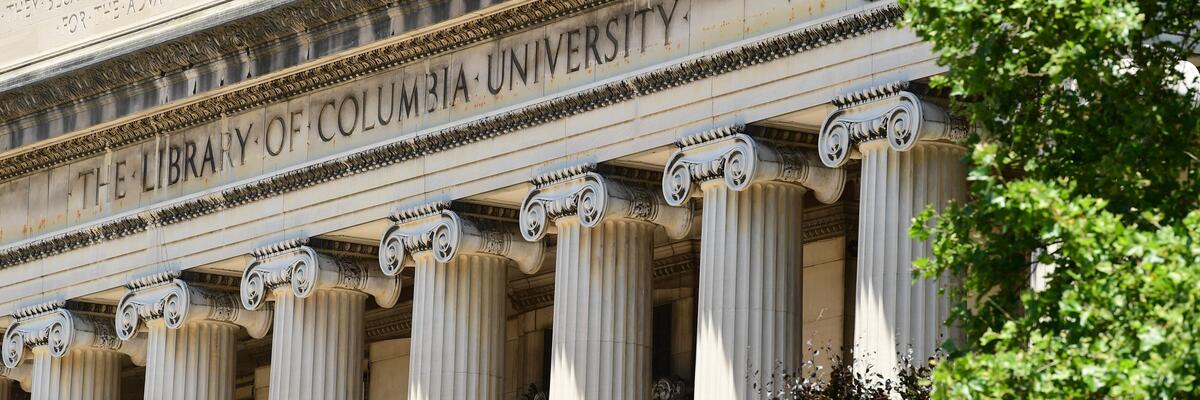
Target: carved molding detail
391 323
670 388
59 330
885 112
531 392
578 192
235 37
166 298
443 234
326 74
739 160
770 49
293 266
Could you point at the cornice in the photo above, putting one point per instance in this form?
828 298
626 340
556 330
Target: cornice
20 98
264 91
554 109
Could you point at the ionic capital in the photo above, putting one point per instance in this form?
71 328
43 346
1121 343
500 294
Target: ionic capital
437 231
729 155
293 266
54 328
166 298
579 192
885 112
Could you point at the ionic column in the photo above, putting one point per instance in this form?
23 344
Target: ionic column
601 342
190 334
319 299
909 160
459 300
76 355
749 310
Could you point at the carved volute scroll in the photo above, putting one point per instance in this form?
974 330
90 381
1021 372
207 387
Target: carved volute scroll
579 192
739 160
434 228
670 388
59 330
885 112
294 266
166 298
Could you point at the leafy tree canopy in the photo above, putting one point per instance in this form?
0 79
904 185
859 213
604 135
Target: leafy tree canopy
1089 162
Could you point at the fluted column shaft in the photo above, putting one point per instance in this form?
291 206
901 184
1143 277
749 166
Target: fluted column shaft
892 312
196 361
601 340
459 311
749 311
81 374
317 345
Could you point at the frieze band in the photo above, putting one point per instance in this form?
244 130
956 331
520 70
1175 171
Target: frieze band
376 157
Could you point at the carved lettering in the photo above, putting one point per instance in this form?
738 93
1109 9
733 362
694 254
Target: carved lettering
208 159
666 19
347 129
242 138
400 96
275 125
408 99
173 159
295 123
119 180
608 32
321 122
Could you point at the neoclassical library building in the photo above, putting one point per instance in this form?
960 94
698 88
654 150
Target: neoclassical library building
462 199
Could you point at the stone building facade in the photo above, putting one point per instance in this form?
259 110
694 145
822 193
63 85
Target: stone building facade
461 199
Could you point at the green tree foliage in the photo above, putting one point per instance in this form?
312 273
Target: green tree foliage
1088 162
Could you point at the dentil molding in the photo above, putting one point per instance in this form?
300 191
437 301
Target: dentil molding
579 192
436 229
739 160
294 267
167 298
58 330
888 112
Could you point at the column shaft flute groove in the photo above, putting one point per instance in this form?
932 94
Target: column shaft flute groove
894 313
317 348
750 288
601 344
196 361
459 315
81 374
